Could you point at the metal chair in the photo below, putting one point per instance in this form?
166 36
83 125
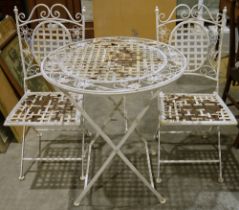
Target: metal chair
201 46
38 36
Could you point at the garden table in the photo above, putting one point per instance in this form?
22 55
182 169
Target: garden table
110 66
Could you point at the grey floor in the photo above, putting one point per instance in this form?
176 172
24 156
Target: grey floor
54 186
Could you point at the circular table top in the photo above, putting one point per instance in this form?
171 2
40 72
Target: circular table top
113 65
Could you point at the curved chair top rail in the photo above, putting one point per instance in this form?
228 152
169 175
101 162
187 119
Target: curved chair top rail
198 12
50 13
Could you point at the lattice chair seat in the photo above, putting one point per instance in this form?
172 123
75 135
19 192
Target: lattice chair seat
44 109
189 109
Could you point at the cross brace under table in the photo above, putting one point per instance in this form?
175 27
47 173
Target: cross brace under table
116 149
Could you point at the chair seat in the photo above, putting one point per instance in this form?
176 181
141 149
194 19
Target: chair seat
194 109
44 109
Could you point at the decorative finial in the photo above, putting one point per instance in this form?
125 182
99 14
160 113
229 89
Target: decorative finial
225 9
83 9
15 9
156 9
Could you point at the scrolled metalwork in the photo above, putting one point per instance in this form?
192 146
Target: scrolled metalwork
193 12
53 27
43 14
46 12
80 16
25 34
186 13
193 38
56 13
206 13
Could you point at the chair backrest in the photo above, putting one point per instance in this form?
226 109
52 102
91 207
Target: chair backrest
45 29
199 38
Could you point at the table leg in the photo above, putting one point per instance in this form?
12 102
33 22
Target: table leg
122 113
116 151
116 107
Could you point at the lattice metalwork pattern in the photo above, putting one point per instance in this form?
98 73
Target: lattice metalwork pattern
45 29
191 36
48 36
192 40
107 61
193 108
44 109
113 65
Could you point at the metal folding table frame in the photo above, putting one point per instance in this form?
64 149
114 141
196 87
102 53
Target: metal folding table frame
114 66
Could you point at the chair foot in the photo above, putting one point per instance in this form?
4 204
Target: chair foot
76 204
158 180
82 178
21 178
162 200
220 180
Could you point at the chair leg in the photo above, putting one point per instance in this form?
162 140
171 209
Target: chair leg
21 176
83 151
83 143
158 180
220 178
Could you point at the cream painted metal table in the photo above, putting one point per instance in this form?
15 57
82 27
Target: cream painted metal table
114 66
